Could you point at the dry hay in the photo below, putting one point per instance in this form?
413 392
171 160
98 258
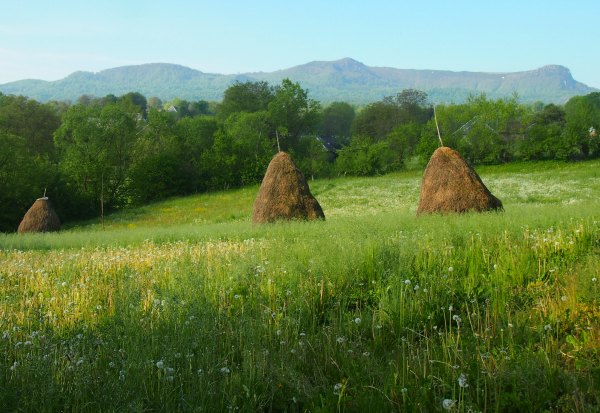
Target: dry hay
451 185
40 218
284 194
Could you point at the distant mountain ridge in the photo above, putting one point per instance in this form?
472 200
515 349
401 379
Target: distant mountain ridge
327 81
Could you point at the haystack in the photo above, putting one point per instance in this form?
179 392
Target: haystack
40 218
284 194
451 185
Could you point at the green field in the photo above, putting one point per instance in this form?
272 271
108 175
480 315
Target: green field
185 305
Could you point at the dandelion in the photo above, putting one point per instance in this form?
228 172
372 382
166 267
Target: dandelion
160 364
448 404
303 334
416 287
122 375
337 387
462 381
199 372
457 318
341 340
278 332
407 282
403 390
563 298
14 366
111 364
225 370
357 320
237 296
450 269
594 279
450 308
366 354
170 371
547 327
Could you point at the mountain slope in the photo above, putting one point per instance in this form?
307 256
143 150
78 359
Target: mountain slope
345 79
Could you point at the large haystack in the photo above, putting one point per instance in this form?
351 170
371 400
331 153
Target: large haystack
451 185
284 194
40 218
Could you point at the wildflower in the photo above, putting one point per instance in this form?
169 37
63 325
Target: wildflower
594 279
14 366
303 334
448 404
225 370
403 390
341 339
366 354
462 381
416 287
278 332
563 298
337 387
457 318
237 296
122 375
357 320
111 364
547 327
169 371
450 269
407 282
199 372
160 364
450 308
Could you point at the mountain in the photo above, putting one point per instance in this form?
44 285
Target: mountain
327 81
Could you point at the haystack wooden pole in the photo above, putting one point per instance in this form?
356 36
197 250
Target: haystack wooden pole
437 127
277 136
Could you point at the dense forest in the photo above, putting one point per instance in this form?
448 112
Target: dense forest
101 154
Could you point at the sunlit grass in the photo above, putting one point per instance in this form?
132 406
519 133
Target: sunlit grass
185 305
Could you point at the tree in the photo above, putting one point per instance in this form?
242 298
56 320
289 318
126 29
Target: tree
544 136
95 145
337 120
293 113
582 113
30 120
245 97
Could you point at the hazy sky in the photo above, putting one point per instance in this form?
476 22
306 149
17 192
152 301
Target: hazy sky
50 39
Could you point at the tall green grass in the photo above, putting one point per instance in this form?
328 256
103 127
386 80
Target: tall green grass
186 306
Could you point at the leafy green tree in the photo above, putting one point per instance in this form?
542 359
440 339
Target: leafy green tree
544 136
95 147
30 120
364 156
245 97
337 120
159 163
293 113
582 115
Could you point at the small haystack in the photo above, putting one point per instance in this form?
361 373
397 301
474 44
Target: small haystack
40 218
284 194
451 185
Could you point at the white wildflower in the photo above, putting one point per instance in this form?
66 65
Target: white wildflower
462 381
357 320
448 404
160 364
225 370
337 387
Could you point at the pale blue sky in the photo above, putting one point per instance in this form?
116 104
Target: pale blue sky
51 39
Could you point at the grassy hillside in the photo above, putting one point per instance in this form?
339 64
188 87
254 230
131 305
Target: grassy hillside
185 305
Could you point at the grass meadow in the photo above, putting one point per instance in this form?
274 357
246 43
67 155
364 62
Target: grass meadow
185 305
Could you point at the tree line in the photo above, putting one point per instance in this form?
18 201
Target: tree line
102 154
